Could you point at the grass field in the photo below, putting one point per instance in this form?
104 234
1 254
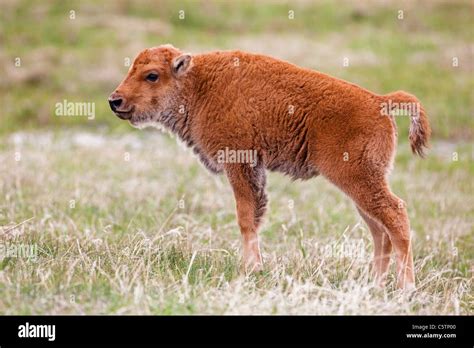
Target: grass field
122 221
157 234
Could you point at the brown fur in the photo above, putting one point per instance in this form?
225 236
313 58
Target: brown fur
300 122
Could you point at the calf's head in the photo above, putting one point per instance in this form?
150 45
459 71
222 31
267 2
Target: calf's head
151 85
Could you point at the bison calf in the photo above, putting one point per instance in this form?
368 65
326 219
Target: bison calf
243 113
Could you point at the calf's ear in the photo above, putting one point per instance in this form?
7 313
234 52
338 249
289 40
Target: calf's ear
181 64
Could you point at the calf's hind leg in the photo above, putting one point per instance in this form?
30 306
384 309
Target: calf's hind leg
248 184
373 196
382 247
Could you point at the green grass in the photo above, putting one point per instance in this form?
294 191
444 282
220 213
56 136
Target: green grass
82 59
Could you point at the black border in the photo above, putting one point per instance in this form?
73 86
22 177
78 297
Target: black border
241 330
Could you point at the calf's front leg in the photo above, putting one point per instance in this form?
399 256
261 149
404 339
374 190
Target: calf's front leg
248 184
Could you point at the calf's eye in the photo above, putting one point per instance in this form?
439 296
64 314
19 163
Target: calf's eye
152 77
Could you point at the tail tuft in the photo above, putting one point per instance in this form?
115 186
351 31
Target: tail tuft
420 130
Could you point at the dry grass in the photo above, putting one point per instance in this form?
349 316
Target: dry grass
157 234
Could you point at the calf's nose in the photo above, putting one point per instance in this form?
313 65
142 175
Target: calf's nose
115 101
